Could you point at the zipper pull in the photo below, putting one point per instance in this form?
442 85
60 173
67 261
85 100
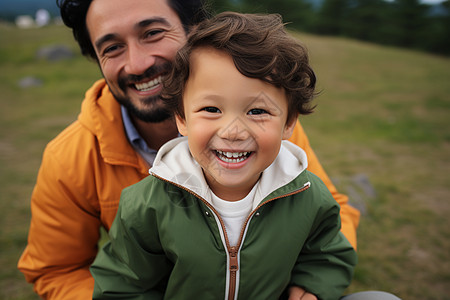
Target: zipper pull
234 266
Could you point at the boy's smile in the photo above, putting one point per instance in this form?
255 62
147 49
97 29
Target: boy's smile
232 157
234 123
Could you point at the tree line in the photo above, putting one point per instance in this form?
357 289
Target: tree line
403 23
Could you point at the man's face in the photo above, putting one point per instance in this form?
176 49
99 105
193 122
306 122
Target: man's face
135 40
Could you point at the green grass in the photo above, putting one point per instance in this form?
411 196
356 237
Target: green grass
382 112
29 119
385 113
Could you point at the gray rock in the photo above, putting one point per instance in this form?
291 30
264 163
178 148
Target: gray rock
29 81
359 190
55 53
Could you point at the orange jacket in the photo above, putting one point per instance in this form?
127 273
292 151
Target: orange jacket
82 174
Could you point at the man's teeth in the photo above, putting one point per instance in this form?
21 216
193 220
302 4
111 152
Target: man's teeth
232 157
146 86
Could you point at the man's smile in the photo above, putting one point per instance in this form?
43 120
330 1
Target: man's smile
149 85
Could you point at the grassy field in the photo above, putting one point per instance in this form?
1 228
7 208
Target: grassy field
383 114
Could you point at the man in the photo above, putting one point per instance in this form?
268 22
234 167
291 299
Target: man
122 124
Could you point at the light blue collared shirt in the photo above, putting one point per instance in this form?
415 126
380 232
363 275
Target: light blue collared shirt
135 138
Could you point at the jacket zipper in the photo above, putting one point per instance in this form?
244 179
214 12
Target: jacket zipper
233 251
234 268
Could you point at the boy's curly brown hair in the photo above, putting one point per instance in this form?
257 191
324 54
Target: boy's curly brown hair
260 48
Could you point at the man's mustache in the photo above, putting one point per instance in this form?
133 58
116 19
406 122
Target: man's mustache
153 71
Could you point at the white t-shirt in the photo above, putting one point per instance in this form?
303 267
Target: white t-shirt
234 213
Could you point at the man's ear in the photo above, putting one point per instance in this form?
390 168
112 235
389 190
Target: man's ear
181 125
289 127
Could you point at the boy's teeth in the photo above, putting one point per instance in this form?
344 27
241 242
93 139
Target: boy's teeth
145 86
232 157
232 154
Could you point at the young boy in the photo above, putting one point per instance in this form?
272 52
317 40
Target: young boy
230 211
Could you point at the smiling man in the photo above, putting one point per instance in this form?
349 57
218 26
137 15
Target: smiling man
112 144
134 79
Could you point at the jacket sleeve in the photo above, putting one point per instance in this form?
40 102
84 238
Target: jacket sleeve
349 215
327 260
132 264
63 235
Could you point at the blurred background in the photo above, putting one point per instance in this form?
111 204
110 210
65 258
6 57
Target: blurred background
381 128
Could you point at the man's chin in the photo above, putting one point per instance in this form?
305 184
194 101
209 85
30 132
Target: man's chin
154 112
154 116
159 119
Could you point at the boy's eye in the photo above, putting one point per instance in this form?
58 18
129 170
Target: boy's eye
257 111
211 109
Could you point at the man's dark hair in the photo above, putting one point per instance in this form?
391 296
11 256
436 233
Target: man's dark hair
73 14
260 48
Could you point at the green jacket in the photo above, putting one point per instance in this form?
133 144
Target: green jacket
168 242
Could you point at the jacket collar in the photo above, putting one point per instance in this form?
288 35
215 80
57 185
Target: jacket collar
100 114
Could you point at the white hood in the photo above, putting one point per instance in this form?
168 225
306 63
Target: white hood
175 163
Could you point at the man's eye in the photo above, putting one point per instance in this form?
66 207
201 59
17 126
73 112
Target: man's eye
151 34
211 109
110 49
257 111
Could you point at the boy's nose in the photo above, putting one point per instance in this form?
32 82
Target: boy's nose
139 59
235 130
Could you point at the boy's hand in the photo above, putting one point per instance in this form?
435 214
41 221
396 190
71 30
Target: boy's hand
297 293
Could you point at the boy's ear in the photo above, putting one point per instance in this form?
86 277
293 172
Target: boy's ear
181 125
289 128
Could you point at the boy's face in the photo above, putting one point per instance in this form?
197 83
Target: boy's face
234 123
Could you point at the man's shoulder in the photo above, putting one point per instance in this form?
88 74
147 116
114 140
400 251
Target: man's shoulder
74 137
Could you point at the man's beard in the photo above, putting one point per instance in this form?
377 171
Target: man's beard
155 114
157 111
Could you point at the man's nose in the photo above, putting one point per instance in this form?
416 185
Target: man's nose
139 59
